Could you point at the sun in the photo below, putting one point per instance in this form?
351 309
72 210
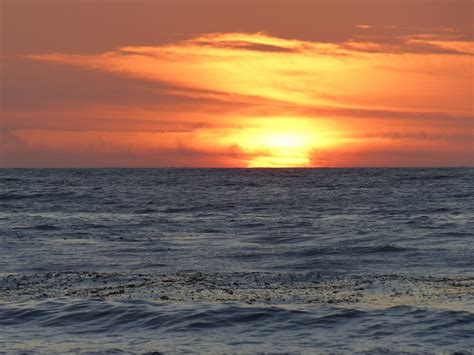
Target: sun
278 143
281 149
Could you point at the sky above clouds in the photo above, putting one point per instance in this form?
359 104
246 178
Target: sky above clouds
236 83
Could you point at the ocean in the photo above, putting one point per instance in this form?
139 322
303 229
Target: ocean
237 260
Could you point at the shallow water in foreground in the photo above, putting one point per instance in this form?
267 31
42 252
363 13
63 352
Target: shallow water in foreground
219 260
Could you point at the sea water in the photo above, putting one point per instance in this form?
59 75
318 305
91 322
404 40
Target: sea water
237 260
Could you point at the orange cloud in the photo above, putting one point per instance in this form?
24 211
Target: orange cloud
278 102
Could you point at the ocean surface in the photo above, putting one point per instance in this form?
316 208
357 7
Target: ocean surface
237 260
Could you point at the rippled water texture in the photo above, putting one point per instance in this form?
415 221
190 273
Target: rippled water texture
333 260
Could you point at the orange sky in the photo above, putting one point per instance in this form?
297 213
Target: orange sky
234 84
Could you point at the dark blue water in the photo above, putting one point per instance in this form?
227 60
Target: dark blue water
225 260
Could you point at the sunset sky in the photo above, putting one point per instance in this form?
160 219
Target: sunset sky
238 83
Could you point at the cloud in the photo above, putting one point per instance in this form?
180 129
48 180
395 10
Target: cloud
405 39
234 63
46 148
427 155
413 44
364 27
221 92
239 41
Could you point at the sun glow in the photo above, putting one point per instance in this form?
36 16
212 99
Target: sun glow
288 142
280 149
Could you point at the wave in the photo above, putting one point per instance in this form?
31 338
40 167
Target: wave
9 179
198 208
375 249
45 227
330 251
11 196
96 315
293 327
427 175
14 196
146 211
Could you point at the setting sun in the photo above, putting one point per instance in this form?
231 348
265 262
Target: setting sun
280 149
279 142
